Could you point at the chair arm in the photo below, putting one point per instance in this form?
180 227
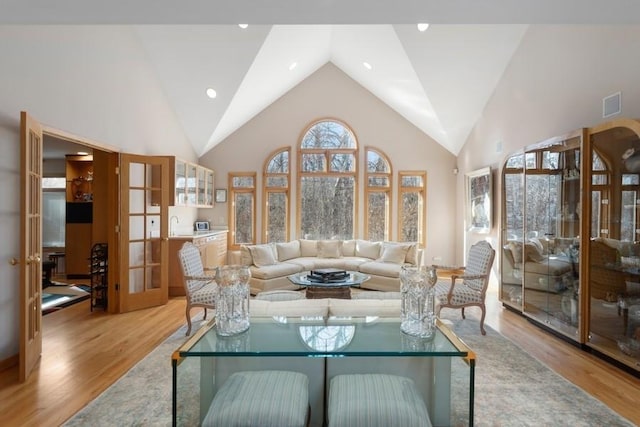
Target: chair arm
447 267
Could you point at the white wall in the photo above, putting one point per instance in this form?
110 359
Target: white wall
554 84
331 93
89 81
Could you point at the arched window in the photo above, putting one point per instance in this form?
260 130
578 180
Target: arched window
378 196
327 181
412 206
242 220
277 171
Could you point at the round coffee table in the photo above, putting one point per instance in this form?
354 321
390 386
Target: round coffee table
340 289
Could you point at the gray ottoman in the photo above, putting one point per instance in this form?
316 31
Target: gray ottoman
261 399
375 400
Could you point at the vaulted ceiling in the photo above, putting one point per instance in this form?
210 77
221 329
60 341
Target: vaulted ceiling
439 79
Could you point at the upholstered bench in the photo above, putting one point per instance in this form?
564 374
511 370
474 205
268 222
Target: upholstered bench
261 399
375 400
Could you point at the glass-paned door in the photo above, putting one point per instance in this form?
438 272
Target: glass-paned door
144 231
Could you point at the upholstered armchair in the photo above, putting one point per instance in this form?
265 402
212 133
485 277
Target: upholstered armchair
469 288
199 283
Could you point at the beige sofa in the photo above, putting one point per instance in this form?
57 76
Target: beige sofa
271 264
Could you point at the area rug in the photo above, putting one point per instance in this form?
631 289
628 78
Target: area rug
512 389
55 298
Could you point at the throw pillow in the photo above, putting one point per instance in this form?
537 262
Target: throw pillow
329 248
532 253
393 253
516 251
349 248
245 255
288 250
263 255
308 248
366 249
412 254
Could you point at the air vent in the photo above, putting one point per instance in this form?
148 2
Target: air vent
611 105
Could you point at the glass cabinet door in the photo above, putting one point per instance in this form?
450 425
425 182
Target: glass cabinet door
191 184
512 232
201 200
209 188
614 248
181 183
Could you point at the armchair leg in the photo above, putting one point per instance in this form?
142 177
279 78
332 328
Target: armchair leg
463 316
188 314
484 312
205 314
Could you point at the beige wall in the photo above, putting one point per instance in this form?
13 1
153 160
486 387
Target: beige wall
330 93
554 84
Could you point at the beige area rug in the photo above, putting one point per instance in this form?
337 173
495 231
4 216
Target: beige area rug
512 388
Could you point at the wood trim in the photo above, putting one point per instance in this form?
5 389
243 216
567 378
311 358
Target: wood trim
60 134
9 362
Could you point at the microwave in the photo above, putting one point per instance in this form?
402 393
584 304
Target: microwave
201 226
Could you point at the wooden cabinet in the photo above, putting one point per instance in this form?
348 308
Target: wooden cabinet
192 184
79 215
213 251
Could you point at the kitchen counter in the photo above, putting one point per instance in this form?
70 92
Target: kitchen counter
198 234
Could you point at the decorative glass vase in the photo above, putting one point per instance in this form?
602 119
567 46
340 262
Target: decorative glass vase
232 299
417 315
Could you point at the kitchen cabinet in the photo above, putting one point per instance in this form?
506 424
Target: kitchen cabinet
192 184
213 252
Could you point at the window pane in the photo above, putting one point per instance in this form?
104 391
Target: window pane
277 181
410 218
243 212
596 211
243 182
550 160
530 160
53 218
375 163
599 179
630 179
276 217
327 207
378 181
411 181
377 216
628 216
313 163
515 162
542 203
279 163
328 134
54 182
343 163
597 164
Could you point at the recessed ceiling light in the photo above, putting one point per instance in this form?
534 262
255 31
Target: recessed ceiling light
211 93
367 65
423 27
293 65
243 26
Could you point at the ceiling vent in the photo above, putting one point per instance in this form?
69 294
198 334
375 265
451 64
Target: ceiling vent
611 105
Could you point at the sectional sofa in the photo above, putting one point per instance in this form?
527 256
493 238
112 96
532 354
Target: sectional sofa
272 263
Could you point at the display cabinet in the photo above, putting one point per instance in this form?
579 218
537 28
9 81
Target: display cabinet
540 233
192 184
442 368
613 255
570 237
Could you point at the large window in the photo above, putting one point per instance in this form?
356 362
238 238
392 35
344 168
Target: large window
377 196
327 170
242 188
411 206
276 197
53 212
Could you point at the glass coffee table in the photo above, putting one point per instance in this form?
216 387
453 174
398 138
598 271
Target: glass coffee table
334 289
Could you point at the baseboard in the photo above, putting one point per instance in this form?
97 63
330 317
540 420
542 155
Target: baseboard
9 362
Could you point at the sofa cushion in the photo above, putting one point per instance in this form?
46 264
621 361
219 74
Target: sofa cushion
273 271
288 250
368 249
329 248
306 307
308 248
393 253
329 263
516 251
349 248
532 252
353 263
305 263
263 255
381 269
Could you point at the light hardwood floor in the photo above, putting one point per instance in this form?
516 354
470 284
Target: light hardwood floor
84 353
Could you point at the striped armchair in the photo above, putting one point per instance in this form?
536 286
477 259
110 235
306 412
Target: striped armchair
468 289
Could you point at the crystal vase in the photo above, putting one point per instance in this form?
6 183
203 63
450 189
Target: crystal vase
232 299
417 315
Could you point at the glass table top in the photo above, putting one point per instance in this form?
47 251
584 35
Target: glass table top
323 337
354 278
